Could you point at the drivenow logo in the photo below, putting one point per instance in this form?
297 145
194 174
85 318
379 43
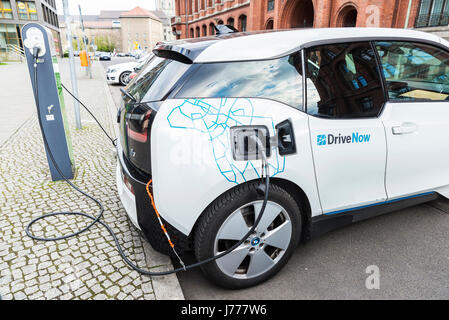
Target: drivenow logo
331 139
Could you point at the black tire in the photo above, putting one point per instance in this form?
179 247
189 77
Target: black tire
214 217
125 75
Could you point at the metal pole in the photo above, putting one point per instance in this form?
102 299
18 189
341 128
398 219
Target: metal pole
408 13
86 44
72 63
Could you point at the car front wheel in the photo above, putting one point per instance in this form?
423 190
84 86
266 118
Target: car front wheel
265 252
124 78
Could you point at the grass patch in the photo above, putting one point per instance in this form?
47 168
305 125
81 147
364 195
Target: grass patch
2 64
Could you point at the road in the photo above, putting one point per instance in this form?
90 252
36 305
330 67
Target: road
115 88
410 248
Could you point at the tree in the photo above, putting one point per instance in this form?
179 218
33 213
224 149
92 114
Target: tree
104 44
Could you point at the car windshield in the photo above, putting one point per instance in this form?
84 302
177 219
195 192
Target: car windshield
155 80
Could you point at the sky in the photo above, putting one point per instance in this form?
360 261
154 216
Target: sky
94 6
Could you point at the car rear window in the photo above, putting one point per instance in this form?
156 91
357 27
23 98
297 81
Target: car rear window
278 79
156 79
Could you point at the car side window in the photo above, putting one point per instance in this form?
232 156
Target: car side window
276 79
343 81
414 71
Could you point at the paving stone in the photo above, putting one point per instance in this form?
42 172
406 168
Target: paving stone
85 267
113 291
52 293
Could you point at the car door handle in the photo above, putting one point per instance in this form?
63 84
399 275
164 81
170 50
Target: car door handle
405 128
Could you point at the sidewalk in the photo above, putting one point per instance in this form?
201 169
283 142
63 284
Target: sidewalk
15 107
88 266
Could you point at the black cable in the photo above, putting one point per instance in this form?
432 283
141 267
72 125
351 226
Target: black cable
96 219
87 109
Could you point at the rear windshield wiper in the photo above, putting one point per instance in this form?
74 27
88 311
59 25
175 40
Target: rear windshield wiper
129 95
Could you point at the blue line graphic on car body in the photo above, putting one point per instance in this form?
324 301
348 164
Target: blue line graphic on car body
215 118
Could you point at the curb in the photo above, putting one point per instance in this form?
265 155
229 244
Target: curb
166 287
441 204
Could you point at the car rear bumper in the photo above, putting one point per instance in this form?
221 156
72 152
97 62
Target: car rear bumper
139 209
126 197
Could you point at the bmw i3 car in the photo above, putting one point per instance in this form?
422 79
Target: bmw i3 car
358 126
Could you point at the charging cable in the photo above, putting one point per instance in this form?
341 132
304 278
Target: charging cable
97 219
113 141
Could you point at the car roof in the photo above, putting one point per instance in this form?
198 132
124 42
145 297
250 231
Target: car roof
261 45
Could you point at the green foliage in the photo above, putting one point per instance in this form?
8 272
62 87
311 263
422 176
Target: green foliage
104 44
75 45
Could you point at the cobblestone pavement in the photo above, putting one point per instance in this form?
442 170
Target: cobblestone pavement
85 267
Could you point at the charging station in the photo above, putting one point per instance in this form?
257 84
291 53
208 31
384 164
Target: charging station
51 108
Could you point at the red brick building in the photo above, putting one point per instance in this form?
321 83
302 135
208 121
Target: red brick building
195 18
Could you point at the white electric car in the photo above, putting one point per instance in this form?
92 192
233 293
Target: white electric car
358 121
119 73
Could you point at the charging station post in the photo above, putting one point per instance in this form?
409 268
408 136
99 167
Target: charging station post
50 100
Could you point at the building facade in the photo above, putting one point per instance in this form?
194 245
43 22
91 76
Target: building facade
168 6
141 29
104 28
195 18
165 10
14 14
124 31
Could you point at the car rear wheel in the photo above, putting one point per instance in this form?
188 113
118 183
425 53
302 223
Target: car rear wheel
264 253
124 78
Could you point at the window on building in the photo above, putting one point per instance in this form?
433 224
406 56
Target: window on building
45 12
278 79
230 21
5 9
211 29
26 10
343 81
8 35
270 5
433 13
242 23
204 30
415 72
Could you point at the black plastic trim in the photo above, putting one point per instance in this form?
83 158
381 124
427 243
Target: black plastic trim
325 223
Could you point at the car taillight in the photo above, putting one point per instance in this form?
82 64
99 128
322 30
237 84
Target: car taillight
128 184
141 135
